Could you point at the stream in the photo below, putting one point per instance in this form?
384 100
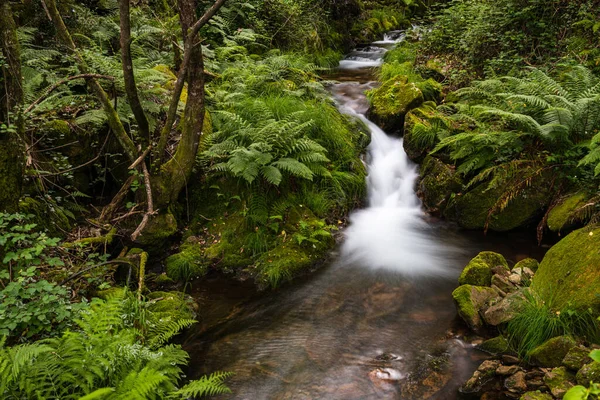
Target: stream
378 321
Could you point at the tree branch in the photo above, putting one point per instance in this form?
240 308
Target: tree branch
128 75
150 204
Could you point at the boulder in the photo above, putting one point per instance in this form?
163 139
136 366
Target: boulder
563 216
505 370
516 383
438 182
471 210
576 358
559 381
470 301
497 345
551 353
479 270
569 273
391 101
504 310
589 373
159 229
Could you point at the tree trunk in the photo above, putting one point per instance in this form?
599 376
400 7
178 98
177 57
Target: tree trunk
11 102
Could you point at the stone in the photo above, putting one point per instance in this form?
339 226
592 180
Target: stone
559 381
497 345
391 101
508 359
527 272
488 367
478 271
470 300
505 310
569 274
503 283
530 263
589 373
438 181
159 228
576 358
551 353
507 370
536 396
515 279
516 383
501 270
560 218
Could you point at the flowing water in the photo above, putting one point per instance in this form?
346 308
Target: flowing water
376 323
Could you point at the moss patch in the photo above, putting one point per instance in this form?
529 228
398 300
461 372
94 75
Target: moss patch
589 373
497 345
551 353
478 271
469 300
188 264
395 96
176 305
530 263
438 182
569 274
158 230
560 217
283 263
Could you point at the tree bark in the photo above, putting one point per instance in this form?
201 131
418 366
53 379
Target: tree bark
128 72
11 101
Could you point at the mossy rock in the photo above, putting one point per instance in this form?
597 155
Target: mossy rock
559 381
431 89
417 145
589 373
537 395
176 305
188 264
470 300
478 271
48 218
497 345
391 101
561 216
110 293
283 263
471 210
569 274
438 182
576 358
551 353
530 263
228 250
157 232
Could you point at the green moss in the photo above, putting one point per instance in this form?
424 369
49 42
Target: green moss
158 230
57 128
47 217
438 182
471 210
469 300
551 353
283 263
530 263
174 304
536 396
560 217
576 358
113 292
569 274
589 373
479 270
431 89
395 97
188 264
559 381
228 249
92 241
497 345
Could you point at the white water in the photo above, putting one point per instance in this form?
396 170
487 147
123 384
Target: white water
391 233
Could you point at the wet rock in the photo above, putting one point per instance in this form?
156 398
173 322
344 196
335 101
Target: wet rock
503 284
497 345
570 267
488 367
501 293
516 383
536 396
506 370
479 270
470 300
438 182
534 384
559 381
576 358
505 310
474 383
551 353
508 359
589 373
386 374
391 101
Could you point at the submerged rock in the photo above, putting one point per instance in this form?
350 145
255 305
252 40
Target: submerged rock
551 353
569 273
438 182
479 270
470 301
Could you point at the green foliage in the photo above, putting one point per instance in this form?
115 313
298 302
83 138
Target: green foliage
537 321
116 354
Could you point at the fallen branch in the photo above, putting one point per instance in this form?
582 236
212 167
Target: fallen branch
83 271
109 210
149 201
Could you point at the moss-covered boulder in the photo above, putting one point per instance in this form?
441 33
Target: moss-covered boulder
283 263
559 381
506 309
569 274
551 353
537 395
470 301
438 182
47 217
421 128
530 263
472 209
497 345
478 271
391 101
576 358
188 264
431 89
589 373
562 217
158 230
176 305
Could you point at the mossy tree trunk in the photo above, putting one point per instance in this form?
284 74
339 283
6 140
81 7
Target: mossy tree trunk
11 102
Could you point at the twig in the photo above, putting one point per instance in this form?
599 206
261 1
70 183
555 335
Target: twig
83 271
66 80
149 201
140 158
